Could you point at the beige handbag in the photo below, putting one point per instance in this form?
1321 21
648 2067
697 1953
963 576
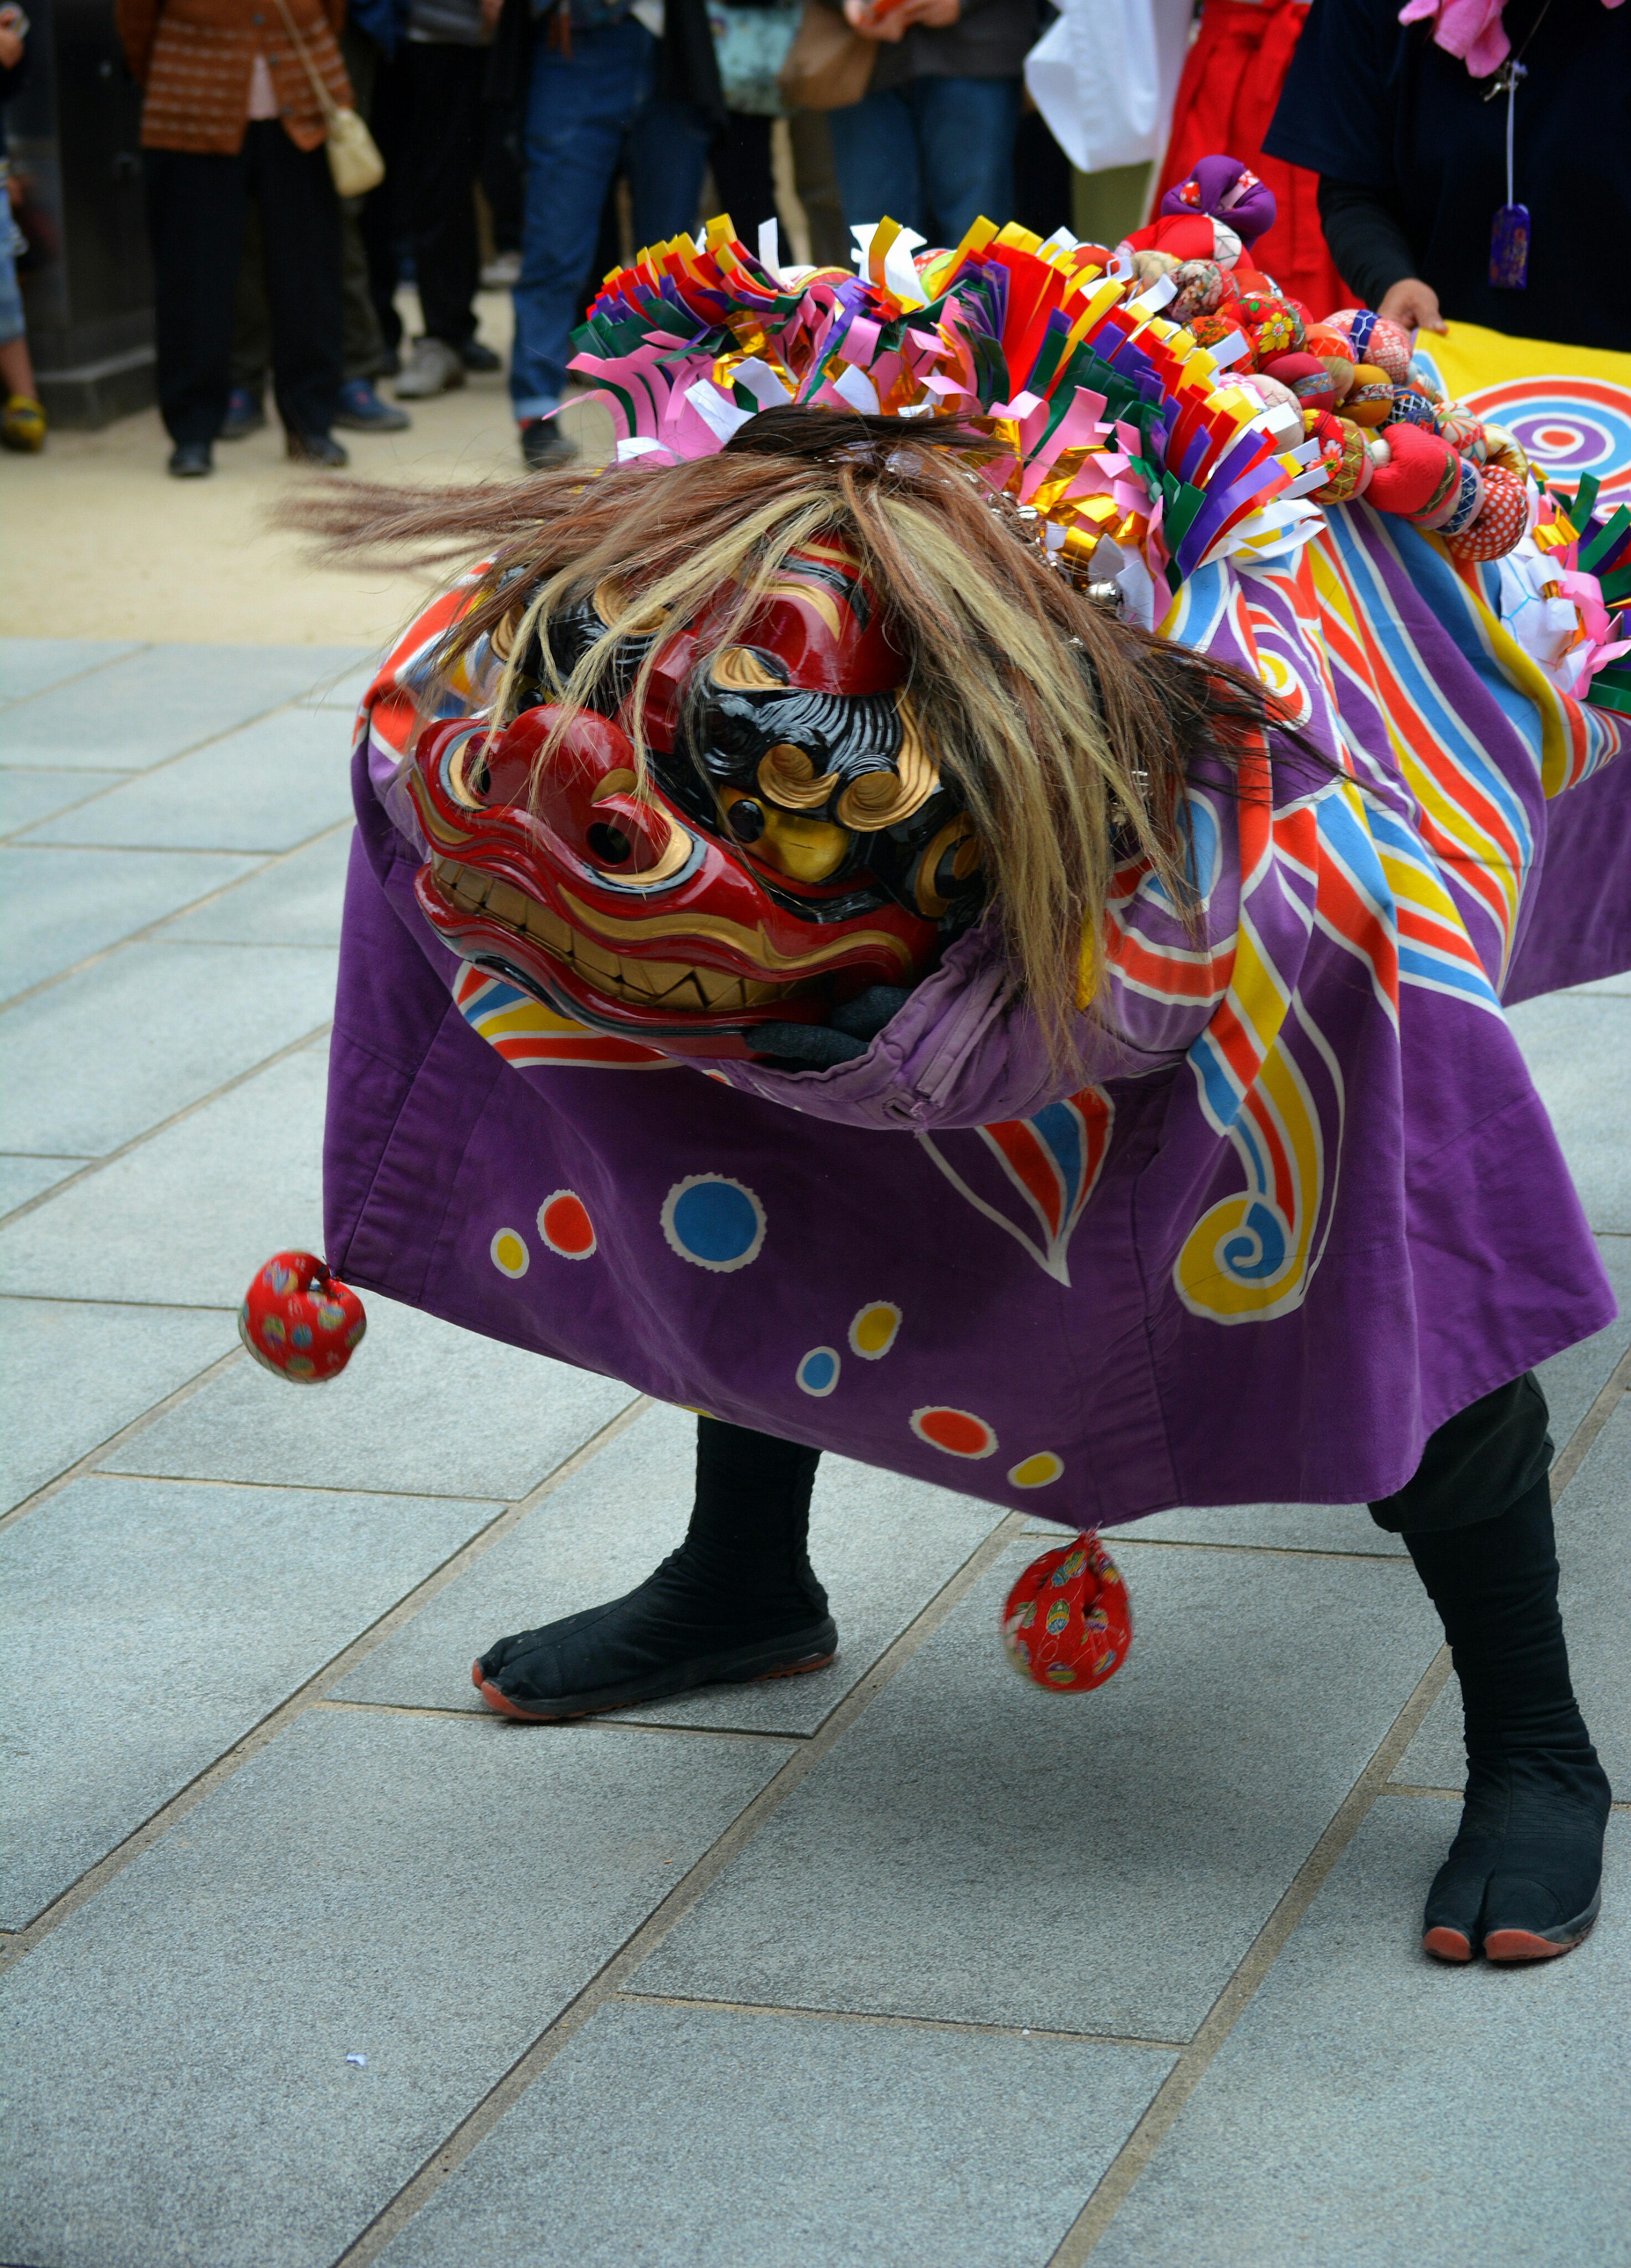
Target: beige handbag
354 158
829 66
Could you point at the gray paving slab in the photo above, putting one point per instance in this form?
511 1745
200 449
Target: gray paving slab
27 797
57 907
184 1220
1578 1049
1615 987
426 1892
29 664
412 1411
1372 2110
149 1624
345 690
265 787
1593 1522
689 2138
1346 1528
69 1079
22 1178
977 1848
73 1373
294 900
882 1546
160 700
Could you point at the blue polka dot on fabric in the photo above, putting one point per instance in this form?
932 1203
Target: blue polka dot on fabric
714 1223
818 1373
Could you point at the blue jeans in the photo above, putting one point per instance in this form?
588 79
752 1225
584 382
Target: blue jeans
935 154
581 109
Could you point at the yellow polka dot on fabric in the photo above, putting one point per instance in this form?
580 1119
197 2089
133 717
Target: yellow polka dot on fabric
872 1334
510 1256
1037 1471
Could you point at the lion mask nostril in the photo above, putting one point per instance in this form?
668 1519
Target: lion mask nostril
610 844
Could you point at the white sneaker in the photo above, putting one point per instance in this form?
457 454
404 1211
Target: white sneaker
433 367
502 273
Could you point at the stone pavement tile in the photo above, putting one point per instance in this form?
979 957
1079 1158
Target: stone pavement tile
977 1848
69 1079
58 906
272 785
160 700
150 1624
29 664
1613 986
71 1374
427 1892
1594 1552
27 797
1374 2109
22 1178
1277 1527
690 2137
424 1408
1578 1049
1573 1379
345 691
295 900
185 1219
882 1546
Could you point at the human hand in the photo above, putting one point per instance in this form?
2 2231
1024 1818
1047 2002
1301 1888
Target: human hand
891 20
10 49
492 9
1412 305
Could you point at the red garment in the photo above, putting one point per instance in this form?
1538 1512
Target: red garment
1227 96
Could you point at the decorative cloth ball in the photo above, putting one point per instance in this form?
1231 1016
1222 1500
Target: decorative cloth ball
1351 477
1340 373
1464 431
1067 1623
1376 340
1326 432
1200 290
1501 524
1320 339
1462 504
1307 377
1212 330
1412 409
300 1321
1370 400
1503 448
1417 474
1271 325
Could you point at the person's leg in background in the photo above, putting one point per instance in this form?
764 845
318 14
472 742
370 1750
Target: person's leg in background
196 206
504 190
738 1599
1522 1880
740 159
668 155
579 108
300 231
364 355
965 146
252 337
874 149
380 214
442 89
22 417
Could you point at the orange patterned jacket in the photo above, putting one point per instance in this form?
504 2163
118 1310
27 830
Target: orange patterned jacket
195 58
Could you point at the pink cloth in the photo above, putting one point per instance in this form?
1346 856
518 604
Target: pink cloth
1472 29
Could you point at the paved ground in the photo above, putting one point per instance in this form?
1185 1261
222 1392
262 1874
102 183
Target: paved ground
310 1961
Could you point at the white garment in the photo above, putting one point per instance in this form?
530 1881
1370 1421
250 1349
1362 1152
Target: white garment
1105 78
262 93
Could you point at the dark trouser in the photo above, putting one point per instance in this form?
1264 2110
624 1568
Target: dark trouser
440 153
1476 1466
741 159
197 206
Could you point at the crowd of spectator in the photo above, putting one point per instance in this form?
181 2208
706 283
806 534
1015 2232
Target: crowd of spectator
574 129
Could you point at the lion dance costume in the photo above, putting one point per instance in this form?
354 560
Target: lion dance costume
679 1036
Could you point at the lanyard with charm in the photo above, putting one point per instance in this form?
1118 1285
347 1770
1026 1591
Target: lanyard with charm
1508 234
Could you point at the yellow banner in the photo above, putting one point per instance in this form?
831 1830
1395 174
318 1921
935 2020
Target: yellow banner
1569 407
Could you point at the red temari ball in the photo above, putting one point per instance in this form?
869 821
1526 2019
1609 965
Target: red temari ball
300 1321
1067 1623
1500 523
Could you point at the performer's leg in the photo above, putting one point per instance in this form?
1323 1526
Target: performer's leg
1522 1879
737 1601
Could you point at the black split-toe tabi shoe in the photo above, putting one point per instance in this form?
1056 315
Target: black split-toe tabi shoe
738 1601
668 1637
1523 1880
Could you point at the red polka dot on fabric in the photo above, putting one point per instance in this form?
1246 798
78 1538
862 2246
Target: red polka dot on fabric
958 1431
564 1226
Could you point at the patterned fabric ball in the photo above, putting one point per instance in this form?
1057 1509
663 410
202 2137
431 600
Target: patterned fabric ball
1200 290
1375 339
1417 474
1067 1624
1307 377
1212 330
1273 328
1351 477
1370 400
1461 507
1320 339
298 1320
1503 448
1500 525
1464 431
1412 409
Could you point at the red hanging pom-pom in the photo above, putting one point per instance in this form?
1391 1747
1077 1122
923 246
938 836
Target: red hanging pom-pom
1067 1623
300 1321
